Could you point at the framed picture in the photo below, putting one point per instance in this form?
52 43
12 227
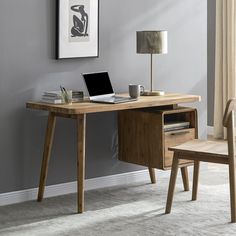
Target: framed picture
77 28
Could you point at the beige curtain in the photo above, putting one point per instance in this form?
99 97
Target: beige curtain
225 63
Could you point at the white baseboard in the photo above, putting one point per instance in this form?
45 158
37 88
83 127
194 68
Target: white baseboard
67 188
210 130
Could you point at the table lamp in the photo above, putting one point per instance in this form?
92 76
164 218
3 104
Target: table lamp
152 42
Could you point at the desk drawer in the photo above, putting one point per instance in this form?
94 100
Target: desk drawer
174 138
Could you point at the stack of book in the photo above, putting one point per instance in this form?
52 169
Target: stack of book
176 125
55 97
77 96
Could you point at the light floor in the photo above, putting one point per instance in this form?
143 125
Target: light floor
132 210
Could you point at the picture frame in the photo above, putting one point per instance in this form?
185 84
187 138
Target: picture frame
77 29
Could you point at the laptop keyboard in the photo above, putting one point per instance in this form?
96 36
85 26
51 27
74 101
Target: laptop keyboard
119 98
115 99
112 99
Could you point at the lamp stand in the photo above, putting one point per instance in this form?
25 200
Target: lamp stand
151 92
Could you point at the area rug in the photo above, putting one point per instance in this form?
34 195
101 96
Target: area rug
129 210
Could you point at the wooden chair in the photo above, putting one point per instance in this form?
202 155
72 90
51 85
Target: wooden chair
208 151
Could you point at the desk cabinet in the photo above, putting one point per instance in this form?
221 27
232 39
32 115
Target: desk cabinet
144 140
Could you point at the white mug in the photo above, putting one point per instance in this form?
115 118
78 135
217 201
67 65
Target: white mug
135 90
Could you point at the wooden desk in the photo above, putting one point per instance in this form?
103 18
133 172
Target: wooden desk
78 111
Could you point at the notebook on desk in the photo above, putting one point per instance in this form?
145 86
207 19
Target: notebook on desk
100 89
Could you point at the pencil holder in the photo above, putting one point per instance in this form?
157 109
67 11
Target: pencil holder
67 97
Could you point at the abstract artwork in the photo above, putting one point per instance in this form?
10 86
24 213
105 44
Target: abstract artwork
77 28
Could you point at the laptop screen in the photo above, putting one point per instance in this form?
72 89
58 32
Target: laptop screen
98 83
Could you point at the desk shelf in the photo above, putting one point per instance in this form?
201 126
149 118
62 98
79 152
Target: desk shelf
143 140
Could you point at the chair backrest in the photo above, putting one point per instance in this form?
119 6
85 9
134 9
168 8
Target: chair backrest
228 122
230 106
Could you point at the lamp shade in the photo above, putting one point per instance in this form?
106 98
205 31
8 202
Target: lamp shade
152 42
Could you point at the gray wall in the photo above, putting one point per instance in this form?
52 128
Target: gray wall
211 21
27 68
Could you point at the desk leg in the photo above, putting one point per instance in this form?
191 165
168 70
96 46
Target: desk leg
81 132
46 154
184 172
152 175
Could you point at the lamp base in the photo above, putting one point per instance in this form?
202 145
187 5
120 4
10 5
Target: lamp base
153 93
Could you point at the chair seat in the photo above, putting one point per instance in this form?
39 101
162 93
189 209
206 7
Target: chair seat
203 148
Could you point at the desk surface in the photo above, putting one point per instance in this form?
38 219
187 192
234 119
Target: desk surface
89 107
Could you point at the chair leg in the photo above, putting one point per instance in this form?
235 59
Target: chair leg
184 173
174 172
232 183
195 179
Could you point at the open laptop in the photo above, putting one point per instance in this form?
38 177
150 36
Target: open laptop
100 89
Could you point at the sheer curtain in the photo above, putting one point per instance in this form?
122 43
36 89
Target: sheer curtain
225 63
